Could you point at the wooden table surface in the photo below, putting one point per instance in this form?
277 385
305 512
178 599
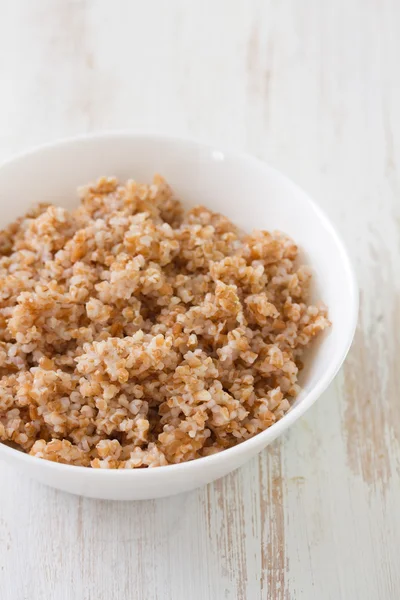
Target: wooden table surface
314 88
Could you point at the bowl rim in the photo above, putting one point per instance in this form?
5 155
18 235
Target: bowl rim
275 430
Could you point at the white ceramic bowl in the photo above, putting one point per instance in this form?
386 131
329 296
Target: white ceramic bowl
253 195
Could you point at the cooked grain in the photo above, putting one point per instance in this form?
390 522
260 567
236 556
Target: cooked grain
134 335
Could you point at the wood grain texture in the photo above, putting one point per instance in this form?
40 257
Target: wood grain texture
314 88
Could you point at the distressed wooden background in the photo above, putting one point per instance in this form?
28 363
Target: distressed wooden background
314 88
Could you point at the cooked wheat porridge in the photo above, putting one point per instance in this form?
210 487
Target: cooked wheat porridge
133 334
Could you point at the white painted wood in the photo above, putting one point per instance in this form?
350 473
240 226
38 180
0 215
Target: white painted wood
313 87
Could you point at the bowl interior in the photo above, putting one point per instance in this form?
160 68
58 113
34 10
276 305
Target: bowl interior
252 194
